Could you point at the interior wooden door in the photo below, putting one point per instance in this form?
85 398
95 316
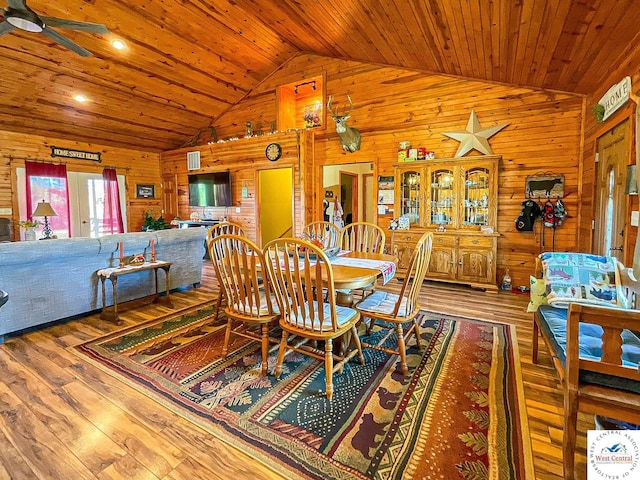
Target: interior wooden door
169 197
611 203
368 198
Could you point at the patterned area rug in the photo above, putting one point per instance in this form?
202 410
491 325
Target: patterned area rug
459 414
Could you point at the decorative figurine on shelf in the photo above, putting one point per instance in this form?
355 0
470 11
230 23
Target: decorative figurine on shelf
350 137
441 228
393 225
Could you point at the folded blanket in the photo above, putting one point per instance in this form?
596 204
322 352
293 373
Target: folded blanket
581 278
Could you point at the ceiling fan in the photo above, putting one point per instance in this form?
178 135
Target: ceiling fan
18 15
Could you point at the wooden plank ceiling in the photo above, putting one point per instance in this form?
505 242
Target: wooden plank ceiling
188 61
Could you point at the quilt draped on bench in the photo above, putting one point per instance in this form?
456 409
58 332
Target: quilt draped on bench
578 278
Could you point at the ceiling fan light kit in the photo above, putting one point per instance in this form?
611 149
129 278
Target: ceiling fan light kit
24 20
19 15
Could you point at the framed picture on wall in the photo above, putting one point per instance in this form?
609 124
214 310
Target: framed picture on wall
145 191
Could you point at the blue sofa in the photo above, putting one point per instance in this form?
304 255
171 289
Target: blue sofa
49 280
594 347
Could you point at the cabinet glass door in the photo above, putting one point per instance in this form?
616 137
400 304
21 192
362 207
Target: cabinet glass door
443 198
410 196
476 196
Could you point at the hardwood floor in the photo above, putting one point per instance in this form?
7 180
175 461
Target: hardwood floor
61 418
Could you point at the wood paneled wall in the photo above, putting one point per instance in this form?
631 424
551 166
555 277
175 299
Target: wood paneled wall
243 158
391 105
137 166
631 67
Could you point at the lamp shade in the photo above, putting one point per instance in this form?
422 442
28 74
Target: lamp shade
44 210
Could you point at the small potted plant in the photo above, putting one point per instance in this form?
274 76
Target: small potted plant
151 223
29 228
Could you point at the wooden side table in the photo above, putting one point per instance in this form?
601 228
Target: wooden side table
114 272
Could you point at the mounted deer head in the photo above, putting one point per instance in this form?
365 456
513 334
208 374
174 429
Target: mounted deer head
350 137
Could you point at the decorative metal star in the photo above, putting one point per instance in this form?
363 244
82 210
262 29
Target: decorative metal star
475 137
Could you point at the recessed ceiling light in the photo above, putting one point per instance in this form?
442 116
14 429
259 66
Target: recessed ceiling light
80 98
118 44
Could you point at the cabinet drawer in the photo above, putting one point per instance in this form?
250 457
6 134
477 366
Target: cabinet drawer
405 236
479 242
444 241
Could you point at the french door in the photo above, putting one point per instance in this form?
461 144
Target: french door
86 203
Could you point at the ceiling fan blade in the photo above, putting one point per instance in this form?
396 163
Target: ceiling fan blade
74 25
65 42
5 27
17 4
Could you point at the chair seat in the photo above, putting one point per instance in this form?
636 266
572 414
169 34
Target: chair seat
343 316
257 310
384 303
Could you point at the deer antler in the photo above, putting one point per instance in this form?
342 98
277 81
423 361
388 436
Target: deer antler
329 103
350 103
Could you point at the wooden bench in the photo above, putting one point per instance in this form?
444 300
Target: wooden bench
600 386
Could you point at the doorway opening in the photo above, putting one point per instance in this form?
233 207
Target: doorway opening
275 204
354 186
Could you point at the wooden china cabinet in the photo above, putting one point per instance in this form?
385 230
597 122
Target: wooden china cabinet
457 199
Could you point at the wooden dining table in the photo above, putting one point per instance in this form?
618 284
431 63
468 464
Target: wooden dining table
347 277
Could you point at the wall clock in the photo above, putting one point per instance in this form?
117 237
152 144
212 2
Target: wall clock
273 151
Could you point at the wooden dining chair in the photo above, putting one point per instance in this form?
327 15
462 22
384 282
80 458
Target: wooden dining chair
401 308
222 228
296 270
328 233
363 237
237 261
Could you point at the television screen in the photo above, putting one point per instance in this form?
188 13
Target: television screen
210 190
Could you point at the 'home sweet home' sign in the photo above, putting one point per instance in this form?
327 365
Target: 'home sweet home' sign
79 154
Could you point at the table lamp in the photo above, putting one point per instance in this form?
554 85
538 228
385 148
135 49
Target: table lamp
44 210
